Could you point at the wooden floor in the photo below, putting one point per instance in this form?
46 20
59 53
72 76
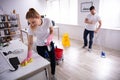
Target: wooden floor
79 64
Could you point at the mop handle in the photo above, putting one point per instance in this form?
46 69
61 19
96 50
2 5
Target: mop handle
98 39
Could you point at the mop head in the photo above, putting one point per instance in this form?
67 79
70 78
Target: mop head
103 54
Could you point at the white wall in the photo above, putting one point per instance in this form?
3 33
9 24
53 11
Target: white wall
109 38
22 6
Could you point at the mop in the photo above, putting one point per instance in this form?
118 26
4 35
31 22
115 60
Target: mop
103 54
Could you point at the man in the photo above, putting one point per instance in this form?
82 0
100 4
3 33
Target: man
91 21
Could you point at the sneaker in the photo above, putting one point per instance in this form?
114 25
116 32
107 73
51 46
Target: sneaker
89 49
84 46
53 77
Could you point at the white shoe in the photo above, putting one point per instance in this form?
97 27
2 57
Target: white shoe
89 49
53 77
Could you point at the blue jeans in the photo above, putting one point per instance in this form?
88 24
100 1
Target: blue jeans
91 36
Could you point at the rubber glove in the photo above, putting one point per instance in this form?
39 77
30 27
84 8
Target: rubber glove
28 59
49 39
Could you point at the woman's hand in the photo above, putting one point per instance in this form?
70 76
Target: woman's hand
49 39
28 59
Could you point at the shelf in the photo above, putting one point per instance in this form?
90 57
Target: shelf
3 21
10 27
9 35
8 21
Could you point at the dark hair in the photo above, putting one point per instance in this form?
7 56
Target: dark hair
92 7
32 13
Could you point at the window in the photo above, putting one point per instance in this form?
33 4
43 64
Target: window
53 10
62 11
110 13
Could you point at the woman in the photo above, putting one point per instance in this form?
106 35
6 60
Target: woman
43 30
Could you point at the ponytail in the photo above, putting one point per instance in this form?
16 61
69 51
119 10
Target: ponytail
32 13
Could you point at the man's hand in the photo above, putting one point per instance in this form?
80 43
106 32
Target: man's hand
91 22
100 23
96 31
88 21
